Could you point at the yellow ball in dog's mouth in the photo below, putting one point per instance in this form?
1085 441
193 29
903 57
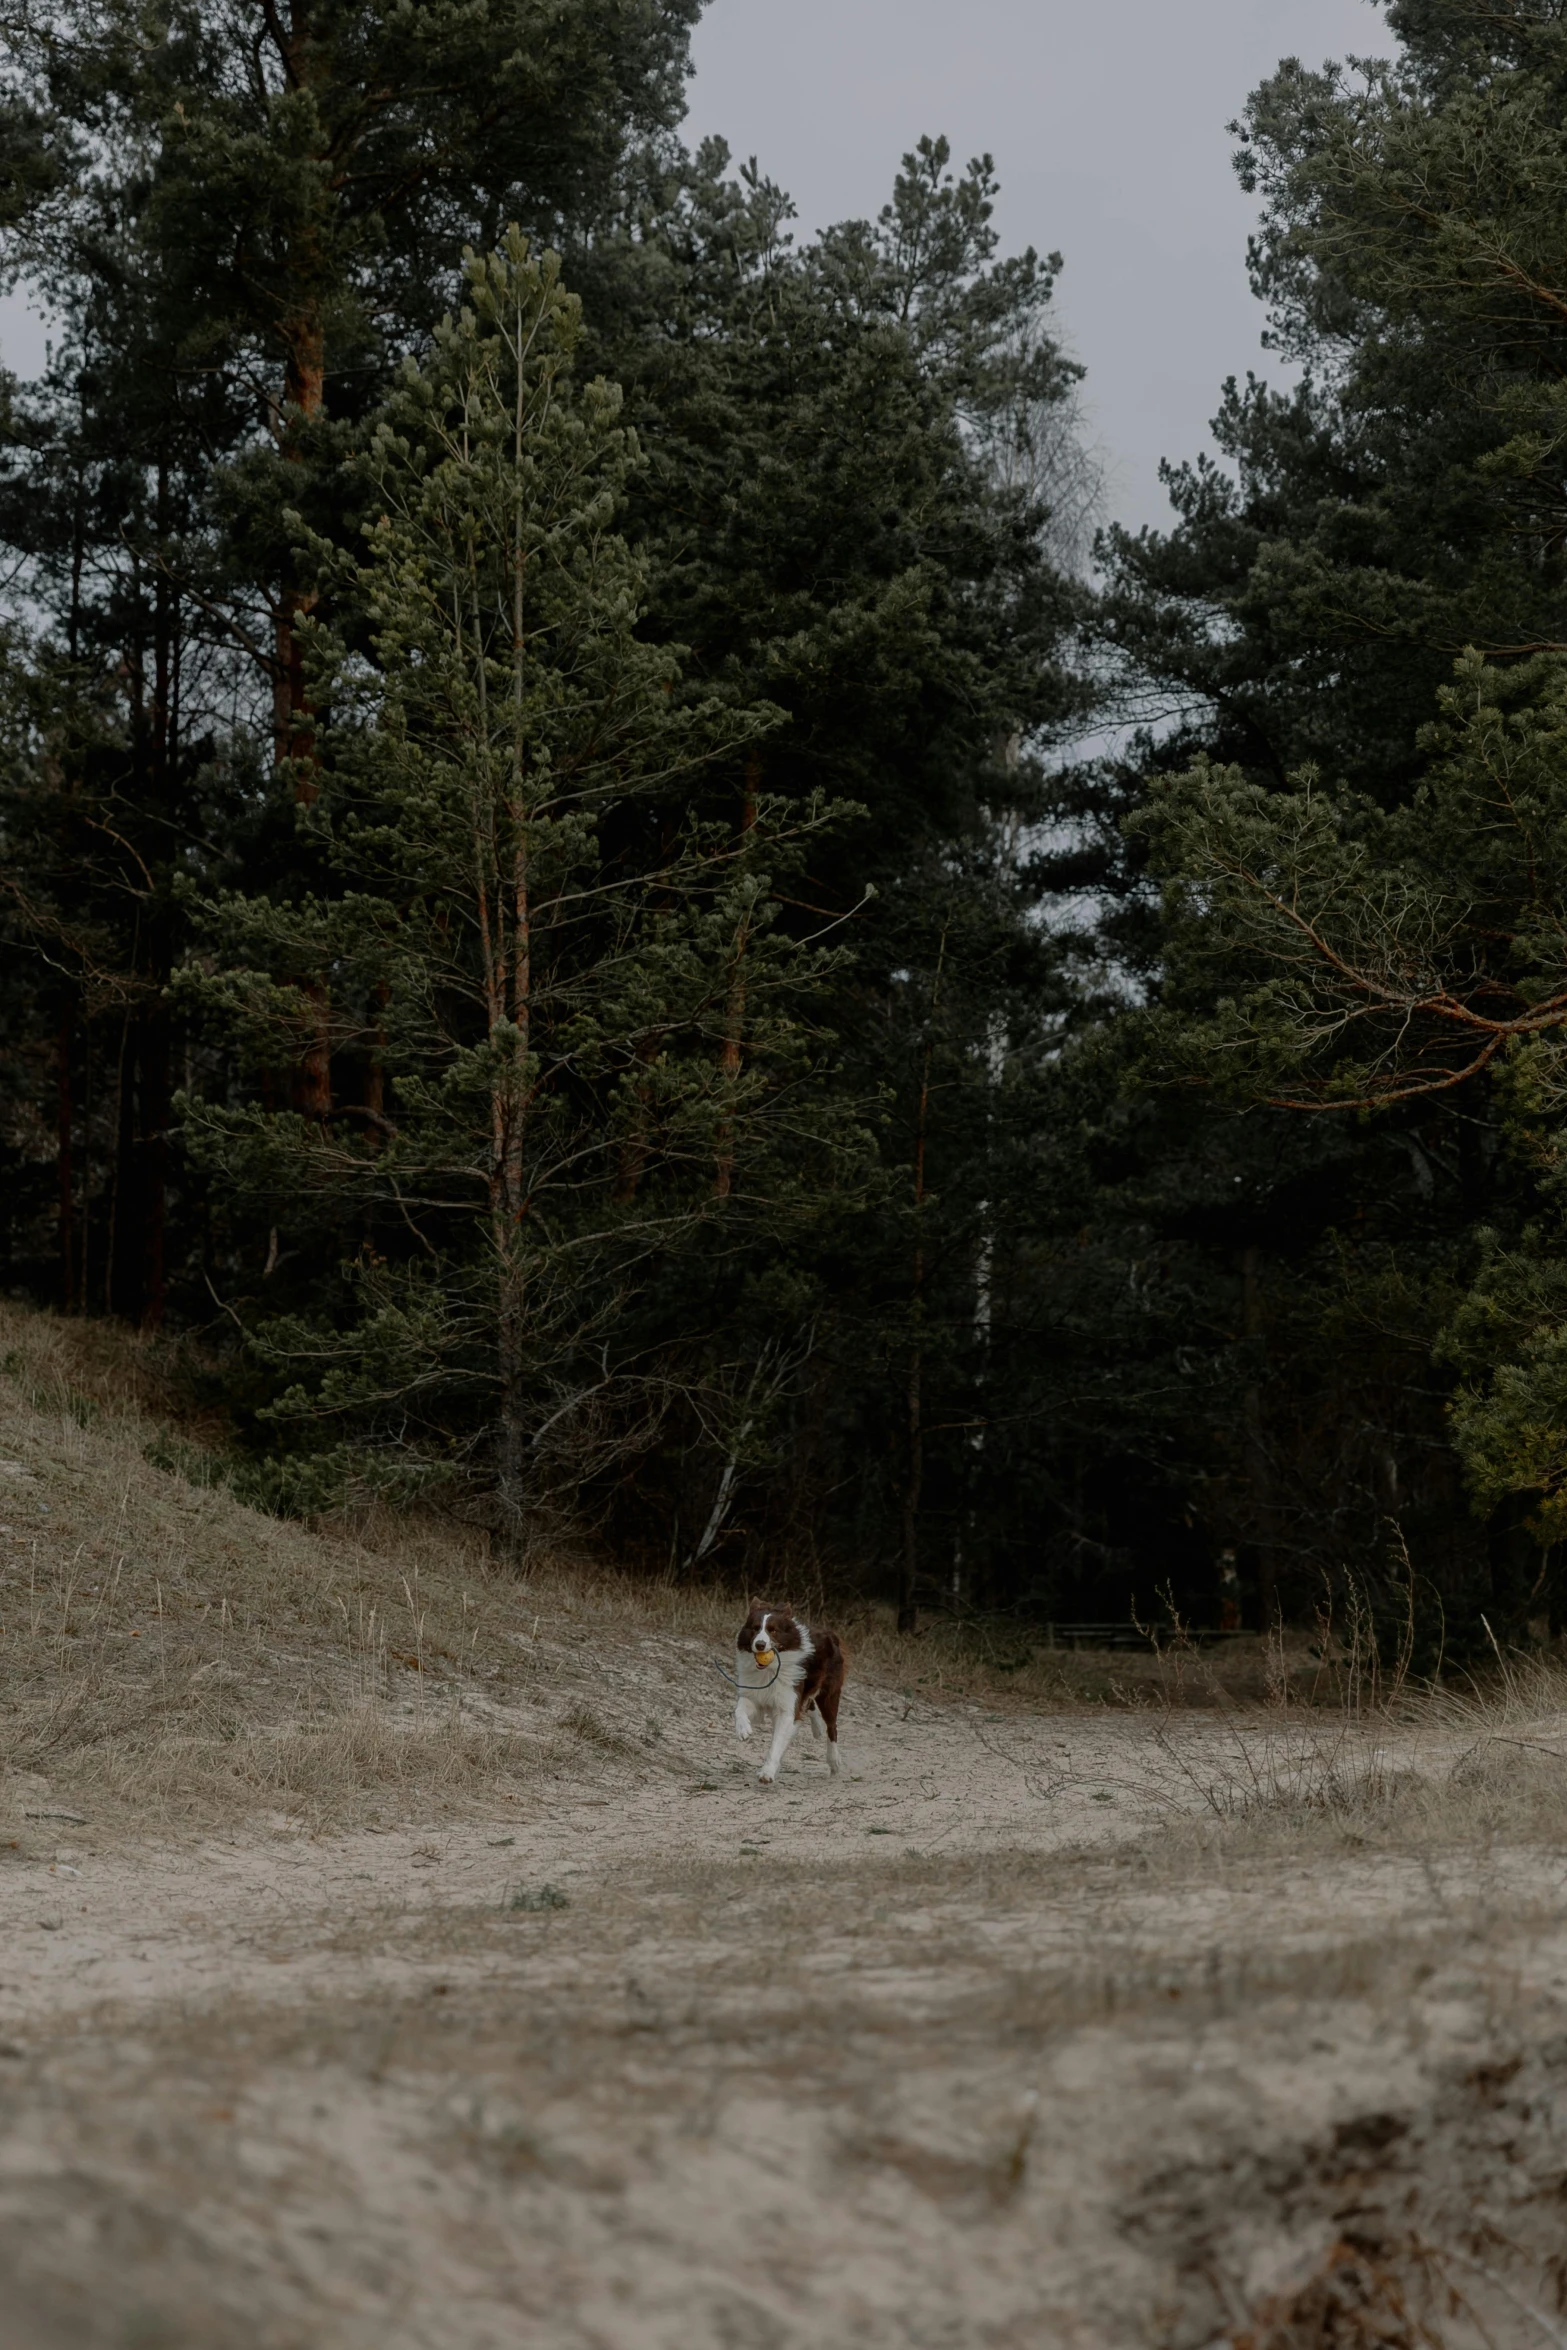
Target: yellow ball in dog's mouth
765 1656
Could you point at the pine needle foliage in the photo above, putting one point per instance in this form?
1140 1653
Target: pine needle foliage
570 1042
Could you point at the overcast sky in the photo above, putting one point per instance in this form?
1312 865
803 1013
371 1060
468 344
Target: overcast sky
1106 119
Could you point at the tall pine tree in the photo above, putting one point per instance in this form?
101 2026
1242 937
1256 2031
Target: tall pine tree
533 950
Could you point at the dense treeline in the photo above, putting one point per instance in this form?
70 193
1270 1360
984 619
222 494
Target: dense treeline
1357 951
551 919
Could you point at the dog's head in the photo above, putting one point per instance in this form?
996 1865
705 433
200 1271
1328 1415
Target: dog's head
767 1629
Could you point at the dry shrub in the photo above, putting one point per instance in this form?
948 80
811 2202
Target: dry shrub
1372 1758
1395 2292
584 1723
1411 1792
1353 2302
364 1751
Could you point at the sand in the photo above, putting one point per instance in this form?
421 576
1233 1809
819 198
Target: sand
989 2041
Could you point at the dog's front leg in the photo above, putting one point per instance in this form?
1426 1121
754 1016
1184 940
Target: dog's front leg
743 1718
783 1731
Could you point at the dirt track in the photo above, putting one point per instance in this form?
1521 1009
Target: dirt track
978 2045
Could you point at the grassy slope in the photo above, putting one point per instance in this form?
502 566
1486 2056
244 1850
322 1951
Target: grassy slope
164 1646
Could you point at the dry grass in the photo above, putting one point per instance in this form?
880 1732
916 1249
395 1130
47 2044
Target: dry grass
1013 1667
167 1650
164 1646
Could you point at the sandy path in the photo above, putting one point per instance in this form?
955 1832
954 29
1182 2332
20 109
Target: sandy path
885 2060
87 1918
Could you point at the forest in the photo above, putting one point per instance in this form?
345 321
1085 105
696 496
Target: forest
618 911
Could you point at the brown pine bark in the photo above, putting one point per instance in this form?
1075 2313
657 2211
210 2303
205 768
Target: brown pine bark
914 1479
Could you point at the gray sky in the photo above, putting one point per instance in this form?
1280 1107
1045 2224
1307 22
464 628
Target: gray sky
1106 119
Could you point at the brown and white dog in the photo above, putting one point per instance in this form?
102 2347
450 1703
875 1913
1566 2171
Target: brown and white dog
786 1668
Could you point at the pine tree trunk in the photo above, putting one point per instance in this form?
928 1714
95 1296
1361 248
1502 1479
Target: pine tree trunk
511 1207
513 1448
124 1278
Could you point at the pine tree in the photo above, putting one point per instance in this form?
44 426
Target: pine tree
1305 613
841 512
1403 502
533 944
1331 957
242 216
